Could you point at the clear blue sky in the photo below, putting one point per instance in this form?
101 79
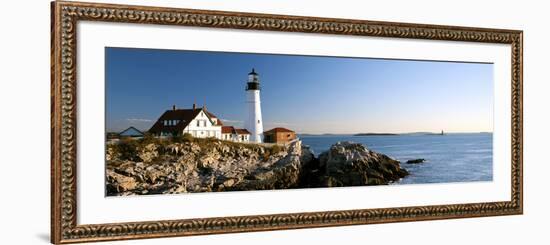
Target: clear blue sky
308 94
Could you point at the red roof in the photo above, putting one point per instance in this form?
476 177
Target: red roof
279 130
227 129
233 130
241 131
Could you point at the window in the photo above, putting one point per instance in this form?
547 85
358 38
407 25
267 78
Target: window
258 121
198 123
204 123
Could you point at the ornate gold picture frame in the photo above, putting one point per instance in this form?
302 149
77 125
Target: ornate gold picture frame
64 40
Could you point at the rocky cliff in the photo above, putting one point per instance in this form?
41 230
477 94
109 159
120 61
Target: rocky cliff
204 165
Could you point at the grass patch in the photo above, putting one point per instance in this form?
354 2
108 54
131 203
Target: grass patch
128 148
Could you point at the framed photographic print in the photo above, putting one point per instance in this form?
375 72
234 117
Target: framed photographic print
174 122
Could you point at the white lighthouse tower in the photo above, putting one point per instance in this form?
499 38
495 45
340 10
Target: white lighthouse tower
253 122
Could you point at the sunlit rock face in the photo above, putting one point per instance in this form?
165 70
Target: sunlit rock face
209 165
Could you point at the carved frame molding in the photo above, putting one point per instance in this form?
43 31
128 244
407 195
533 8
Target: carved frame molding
65 16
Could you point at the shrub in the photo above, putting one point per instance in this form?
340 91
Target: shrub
148 138
206 143
186 137
126 148
276 149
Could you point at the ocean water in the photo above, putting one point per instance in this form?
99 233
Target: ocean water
460 157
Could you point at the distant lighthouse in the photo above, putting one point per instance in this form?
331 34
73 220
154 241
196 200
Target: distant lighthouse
253 122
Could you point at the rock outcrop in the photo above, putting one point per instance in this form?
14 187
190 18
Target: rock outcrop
205 165
352 164
416 161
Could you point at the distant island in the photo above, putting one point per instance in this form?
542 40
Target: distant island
442 133
325 134
374 134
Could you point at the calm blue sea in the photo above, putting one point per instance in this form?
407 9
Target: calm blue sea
449 158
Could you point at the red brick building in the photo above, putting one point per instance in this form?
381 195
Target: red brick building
279 135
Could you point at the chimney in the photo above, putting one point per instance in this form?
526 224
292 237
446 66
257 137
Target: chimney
194 106
174 107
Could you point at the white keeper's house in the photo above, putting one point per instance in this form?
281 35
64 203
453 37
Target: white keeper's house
198 122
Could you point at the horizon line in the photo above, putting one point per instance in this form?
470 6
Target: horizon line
374 133
414 132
